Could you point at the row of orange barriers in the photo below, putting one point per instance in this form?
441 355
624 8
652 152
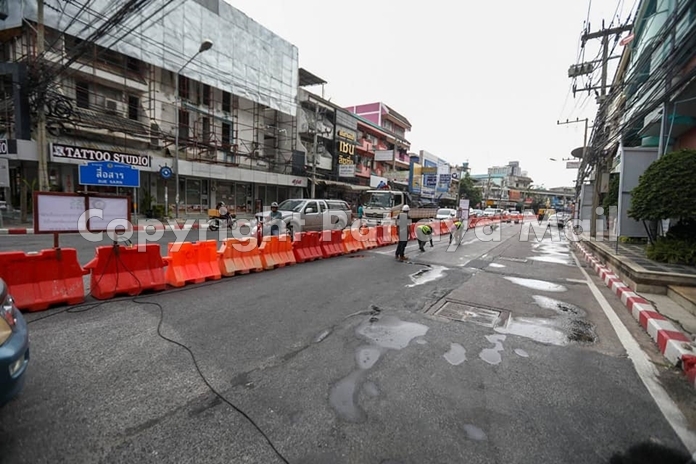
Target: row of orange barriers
43 279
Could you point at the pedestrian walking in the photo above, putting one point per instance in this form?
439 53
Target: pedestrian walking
424 233
360 214
402 223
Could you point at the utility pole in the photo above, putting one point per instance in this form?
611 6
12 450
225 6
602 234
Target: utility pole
315 149
588 68
587 126
41 112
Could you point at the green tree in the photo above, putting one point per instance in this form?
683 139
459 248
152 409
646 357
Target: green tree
467 189
612 196
667 189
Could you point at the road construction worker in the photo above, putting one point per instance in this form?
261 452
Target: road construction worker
456 230
402 223
423 233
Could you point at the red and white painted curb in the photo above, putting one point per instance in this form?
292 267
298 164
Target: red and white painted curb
30 231
674 344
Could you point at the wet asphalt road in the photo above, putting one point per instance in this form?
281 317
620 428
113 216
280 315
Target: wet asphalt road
346 361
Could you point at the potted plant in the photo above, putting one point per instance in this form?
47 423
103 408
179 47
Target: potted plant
146 204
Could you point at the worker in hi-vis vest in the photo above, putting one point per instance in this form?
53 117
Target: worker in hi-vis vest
424 233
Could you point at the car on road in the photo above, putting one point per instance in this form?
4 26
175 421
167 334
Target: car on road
308 215
490 212
14 347
445 213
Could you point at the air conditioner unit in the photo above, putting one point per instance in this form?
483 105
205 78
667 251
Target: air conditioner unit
114 107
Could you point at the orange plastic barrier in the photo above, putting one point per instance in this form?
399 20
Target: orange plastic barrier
239 256
368 238
350 244
192 263
383 235
39 280
331 243
412 232
276 251
126 270
307 248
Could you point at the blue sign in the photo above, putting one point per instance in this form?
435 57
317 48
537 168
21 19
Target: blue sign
166 172
109 174
431 180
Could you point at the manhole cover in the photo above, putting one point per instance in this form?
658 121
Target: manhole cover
466 313
514 260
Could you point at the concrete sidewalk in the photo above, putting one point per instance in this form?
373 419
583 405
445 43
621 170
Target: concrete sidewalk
672 327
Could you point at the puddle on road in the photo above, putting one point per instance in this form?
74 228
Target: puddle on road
456 354
558 306
427 275
474 433
567 327
554 259
367 356
343 398
384 333
492 355
496 265
538 329
521 353
537 284
391 332
371 389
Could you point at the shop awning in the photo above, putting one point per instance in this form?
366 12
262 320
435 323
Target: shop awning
343 185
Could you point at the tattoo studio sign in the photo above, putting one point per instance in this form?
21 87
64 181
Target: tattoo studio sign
63 152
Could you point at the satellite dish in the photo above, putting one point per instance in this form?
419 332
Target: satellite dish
577 153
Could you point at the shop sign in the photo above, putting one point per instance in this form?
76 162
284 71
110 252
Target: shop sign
429 170
61 152
297 182
346 170
346 148
346 166
4 147
109 175
431 180
344 134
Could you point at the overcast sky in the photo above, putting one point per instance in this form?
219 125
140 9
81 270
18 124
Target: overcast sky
485 82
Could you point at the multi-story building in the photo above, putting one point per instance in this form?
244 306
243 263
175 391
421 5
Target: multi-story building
158 82
649 109
391 157
504 186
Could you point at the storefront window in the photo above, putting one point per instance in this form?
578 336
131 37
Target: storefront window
282 194
225 192
271 194
241 198
193 195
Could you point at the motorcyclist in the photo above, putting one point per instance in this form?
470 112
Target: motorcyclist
224 212
275 217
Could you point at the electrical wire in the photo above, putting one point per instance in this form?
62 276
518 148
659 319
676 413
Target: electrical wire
140 300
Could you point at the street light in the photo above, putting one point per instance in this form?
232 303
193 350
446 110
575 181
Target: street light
205 46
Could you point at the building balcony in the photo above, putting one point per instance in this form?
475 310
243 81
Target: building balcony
365 146
362 171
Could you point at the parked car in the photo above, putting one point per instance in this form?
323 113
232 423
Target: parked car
14 347
445 213
307 215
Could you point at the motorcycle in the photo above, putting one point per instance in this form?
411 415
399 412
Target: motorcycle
215 222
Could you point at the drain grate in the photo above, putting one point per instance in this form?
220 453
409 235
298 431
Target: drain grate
467 313
514 260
